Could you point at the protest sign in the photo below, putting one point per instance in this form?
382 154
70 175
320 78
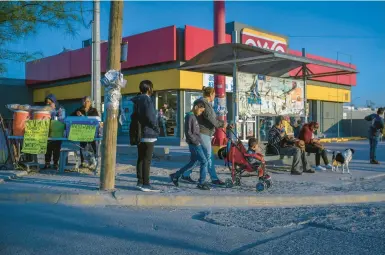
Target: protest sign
82 133
36 136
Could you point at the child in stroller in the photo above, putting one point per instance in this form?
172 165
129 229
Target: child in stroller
239 161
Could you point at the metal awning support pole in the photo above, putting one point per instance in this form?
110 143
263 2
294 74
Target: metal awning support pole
235 84
304 86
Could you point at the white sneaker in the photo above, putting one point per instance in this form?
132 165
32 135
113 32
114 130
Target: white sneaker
148 188
328 166
320 168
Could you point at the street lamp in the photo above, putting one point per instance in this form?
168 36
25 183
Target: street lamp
351 116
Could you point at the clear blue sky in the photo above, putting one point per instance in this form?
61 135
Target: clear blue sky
359 25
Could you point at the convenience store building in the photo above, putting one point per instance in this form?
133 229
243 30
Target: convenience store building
156 55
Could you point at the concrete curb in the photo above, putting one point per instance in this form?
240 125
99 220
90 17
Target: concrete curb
12 176
198 201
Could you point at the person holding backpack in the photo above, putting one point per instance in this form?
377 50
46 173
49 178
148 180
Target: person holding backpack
144 131
375 132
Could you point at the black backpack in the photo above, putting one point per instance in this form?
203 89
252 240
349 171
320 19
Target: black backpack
135 127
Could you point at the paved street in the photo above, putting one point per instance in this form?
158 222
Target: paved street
56 229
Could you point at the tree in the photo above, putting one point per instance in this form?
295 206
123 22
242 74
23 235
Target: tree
20 19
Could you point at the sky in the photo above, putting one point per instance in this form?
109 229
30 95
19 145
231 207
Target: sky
353 31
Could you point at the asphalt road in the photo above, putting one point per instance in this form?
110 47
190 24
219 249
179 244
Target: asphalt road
57 229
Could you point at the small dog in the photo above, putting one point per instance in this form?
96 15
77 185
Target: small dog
342 159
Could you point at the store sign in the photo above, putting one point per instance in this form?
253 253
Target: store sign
208 81
263 40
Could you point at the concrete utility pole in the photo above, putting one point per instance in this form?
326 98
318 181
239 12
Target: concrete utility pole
107 175
219 80
97 95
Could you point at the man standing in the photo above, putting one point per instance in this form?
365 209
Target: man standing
375 132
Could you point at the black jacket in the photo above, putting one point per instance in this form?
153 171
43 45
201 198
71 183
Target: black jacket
91 112
208 120
147 116
191 129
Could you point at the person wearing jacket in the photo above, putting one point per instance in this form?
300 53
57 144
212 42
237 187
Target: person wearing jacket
312 145
278 145
53 147
145 108
197 151
207 123
375 132
86 110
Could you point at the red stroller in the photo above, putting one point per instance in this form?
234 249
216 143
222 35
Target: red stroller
235 157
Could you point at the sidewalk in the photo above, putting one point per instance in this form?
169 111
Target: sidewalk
364 185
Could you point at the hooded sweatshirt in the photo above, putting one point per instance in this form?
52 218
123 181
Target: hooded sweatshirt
306 133
145 108
52 97
191 127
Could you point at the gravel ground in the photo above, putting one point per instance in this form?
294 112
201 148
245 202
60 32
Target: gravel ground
367 220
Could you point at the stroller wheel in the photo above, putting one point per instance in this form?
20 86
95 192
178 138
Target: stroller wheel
229 183
261 186
268 183
237 181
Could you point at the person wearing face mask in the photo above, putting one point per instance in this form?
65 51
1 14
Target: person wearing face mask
313 145
207 123
280 144
53 147
86 110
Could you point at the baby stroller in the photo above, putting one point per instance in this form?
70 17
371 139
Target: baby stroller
235 157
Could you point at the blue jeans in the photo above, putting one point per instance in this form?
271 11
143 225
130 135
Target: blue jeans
373 141
206 139
198 155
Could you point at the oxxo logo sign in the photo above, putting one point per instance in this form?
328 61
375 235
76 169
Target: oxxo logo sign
263 40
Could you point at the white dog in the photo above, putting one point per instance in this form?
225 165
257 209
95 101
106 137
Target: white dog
342 159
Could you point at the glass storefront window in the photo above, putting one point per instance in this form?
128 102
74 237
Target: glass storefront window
167 107
190 99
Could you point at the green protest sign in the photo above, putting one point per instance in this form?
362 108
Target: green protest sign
36 136
82 133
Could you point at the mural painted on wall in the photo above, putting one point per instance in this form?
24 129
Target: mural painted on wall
265 95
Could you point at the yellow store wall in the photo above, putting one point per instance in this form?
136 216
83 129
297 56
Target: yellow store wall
314 92
173 79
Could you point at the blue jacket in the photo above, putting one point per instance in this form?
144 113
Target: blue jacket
147 116
377 125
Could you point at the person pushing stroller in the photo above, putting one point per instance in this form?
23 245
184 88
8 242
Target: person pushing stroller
194 141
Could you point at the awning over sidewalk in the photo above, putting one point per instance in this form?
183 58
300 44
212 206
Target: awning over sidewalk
220 59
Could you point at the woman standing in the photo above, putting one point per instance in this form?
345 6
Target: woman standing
53 147
145 111
207 123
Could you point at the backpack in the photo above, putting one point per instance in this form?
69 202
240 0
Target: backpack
135 127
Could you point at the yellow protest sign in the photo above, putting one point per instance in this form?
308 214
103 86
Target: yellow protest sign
36 136
82 133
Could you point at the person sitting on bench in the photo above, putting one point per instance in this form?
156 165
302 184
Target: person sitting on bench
313 145
280 144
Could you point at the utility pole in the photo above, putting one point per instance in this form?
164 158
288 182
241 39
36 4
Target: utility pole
107 175
96 90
